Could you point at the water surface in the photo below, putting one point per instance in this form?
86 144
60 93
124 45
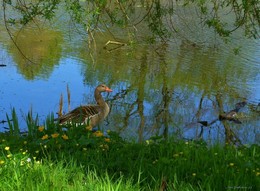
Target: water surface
163 88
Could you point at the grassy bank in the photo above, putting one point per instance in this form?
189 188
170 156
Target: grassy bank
54 158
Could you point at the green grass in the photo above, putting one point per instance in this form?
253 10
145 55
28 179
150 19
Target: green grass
52 158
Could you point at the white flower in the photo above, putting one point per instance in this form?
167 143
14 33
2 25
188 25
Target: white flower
29 160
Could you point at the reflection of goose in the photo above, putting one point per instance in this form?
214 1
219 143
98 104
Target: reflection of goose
89 114
232 115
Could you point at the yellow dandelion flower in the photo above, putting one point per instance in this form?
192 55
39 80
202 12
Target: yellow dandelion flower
194 174
107 139
45 137
2 162
65 137
257 174
7 148
89 128
37 152
22 163
98 134
55 135
104 147
9 155
231 164
38 162
41 128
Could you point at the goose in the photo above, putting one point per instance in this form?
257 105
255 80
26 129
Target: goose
90 115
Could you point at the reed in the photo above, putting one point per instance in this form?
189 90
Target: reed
60 106
13 123
32 123
68 96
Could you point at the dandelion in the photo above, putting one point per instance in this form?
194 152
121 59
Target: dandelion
84 149
7 148
55 135
41 128
186 143
104 147
9 155
44 137
193 174
107 139
65 137
231 164
38 162
89 128
37 152
98 134
257 174
22 163
2 162
25 142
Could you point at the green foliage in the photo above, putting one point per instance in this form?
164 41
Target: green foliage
80 159
45 9
155 14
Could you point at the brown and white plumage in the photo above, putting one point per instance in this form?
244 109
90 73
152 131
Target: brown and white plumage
89 114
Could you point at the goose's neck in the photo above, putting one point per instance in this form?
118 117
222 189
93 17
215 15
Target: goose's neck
99 99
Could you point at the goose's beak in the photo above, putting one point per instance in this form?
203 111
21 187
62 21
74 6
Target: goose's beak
108 89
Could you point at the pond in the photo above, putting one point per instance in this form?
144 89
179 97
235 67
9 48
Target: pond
164 88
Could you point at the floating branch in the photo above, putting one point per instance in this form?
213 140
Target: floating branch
119 44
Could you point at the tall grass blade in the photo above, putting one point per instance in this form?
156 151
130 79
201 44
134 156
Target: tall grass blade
13 123
11 128
32 124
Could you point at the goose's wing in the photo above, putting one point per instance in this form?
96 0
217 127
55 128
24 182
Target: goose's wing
80 114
